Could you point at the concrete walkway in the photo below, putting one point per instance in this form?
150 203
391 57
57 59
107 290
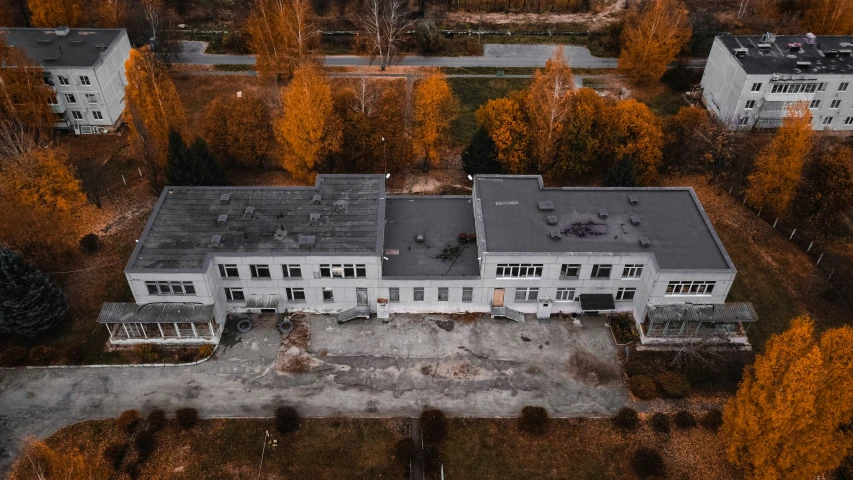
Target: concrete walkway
364 368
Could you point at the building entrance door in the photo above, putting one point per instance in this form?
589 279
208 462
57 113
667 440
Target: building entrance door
361 296
498 299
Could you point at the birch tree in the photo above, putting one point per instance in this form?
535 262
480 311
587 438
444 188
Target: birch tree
435 109
282 35
830 17
110 13
652 39
547 107
53 13
383 23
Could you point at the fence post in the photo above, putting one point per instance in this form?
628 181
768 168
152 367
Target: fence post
830 275
140 171
810 246
123 180
775 222
744 199
759 212
792 234
730 190
819 259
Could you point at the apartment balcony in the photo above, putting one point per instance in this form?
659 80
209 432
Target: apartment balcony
57 108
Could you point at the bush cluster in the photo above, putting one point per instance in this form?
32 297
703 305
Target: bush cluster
660 423
433 425
145 443
156 420
712 420
114 454
89 243
674 385
626 419
187 417
13 356
128 421
148 353
74 354
685 420
42 355
204 351
643 387
648 462
286 419
533 420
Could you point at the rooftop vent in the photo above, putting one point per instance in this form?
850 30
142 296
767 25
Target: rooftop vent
602 212
76 43
250 211
316 199
552 220
307 241
216 241
62 31
804 65
44 41
555 234
419 237
740 52
768 37
633 199
831 53
845 52
644 242
810 38
225 199
635 220
222 220
315 217
764 46
546 205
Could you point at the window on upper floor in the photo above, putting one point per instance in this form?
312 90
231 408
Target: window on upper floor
749 104
52 101
835 104
848 121
443 294
756 87
295 294
418 293
234 294
690 288
170 288
467 294
565 294
228 271
63 80
814 104
260 271
70 98
328 295
394 294
570 270
343 271
97 115
528 294
827 120
516 270
632 271
76 115
91 98
84 80
744 121
821 87
601 271
842 87
625 294
291 271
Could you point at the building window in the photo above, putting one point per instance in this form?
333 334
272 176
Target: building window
526 294
625 294
570 270
76 115
170 288
343 271
749 104
467 294
63 80
821 87
419 294
835 104
70 98
394 294
744 121
827 120
848 121
442 294
295 294
260 271
601 271
85 80
90 97
842 87
632 271
234 294
228 271
795 88
690 288
291 271
52 101
97 115
524 270
328 295
565 294
814 104
756 87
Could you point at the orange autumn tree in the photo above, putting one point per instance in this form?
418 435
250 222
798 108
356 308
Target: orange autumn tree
152 108
53 13
238 129
435 108
282 35
652 39
787 418
779 165
639 137
547 105
504 119
37 461
110 13
585 142
829 17
307 130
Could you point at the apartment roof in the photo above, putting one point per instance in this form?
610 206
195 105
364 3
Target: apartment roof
78 47
670 222
786 54
439 221
340 214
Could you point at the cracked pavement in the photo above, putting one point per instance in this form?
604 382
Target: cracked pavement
363 368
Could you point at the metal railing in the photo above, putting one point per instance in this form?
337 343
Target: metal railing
353 313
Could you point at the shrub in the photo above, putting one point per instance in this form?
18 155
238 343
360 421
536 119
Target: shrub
148 353
660 423
204 351
433 425
187 417
626 419
533 420
712 420
89 243
432 459
74 354
145 444
623 328
648 462
674 385
114 454
42 355
428 36
13 356
643 387
286 419
403 450
156 420
684 419
128 421
635 367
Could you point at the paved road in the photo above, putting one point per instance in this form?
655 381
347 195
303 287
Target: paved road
365 368
494 55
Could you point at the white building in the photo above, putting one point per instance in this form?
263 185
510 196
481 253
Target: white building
85 66
750 80
344 247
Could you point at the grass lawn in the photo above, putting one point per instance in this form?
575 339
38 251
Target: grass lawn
334 448
473 92
578 449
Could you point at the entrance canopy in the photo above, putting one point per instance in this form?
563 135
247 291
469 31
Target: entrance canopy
155 313
262 301
597 302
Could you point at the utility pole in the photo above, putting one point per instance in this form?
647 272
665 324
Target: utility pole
384 156
263 450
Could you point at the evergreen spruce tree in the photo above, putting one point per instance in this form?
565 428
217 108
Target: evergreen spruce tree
192 166
177 166
621 174
480 157
30 303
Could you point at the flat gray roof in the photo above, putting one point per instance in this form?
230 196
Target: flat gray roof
165 312
82 47
440 220
825 54
679 233
180 232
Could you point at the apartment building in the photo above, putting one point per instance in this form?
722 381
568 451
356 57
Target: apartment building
344 247
751 80
85 66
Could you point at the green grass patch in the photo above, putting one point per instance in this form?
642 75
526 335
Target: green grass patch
473 92
666 103
488 70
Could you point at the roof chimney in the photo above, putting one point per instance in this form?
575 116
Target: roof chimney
62 31
602 212
225 199
633 199
635 219
216 241
222 220
316 199
644 242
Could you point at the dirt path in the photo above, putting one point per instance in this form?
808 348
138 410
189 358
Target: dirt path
593 20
